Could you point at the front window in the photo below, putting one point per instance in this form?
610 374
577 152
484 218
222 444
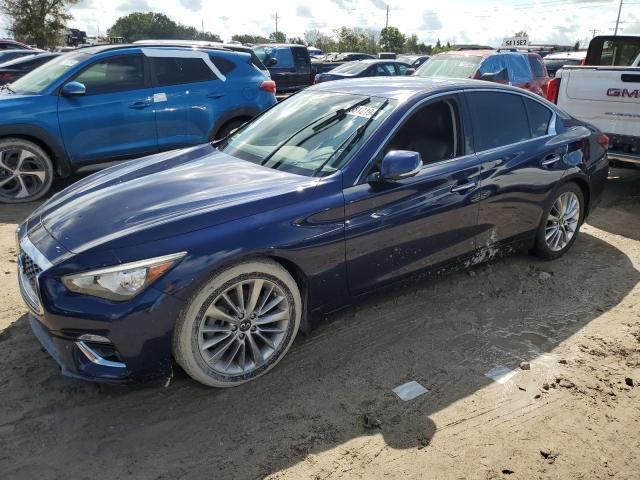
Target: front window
351 68
38 80
311 134
450 66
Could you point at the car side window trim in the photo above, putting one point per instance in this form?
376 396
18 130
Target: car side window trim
552 123
178 53
361 178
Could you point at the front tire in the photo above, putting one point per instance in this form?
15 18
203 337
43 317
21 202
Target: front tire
26 171
239 325
560 222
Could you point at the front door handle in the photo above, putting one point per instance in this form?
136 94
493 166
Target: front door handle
550 160
216 95
140 105
464 187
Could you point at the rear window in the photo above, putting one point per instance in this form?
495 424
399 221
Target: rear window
537 66
350 68
539 118
450 66
176 71
617 52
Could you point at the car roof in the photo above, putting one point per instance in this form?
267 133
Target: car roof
97 49
280 45
401 88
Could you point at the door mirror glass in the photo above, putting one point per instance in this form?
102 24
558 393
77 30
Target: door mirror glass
410 71
74 89
270 62
399 164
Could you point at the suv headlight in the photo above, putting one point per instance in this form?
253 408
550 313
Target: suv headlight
121 282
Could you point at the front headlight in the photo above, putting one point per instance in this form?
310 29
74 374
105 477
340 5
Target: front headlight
121 282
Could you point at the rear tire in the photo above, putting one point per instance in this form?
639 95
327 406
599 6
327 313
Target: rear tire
26 171
560 223
239 325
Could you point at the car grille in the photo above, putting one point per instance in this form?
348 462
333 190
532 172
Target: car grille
28 273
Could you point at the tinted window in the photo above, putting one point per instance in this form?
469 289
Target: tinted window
539 118
493 64
225 66
537 66
300 55
350 68
498 119
115 74
402 68
385 70
284 57
175 71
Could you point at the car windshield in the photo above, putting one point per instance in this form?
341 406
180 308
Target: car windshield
450 66
350 68
310 133
39 79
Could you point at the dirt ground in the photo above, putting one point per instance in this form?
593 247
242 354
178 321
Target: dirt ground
576 320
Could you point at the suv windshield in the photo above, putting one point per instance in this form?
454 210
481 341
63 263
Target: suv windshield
36 81
310 133
450 66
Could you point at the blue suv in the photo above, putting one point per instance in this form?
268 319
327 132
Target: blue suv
110 103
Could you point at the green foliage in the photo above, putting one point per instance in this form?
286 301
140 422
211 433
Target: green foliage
391 40
253 39
39 22
296 41
150 25
278 37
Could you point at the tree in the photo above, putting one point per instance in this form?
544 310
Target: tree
39 22
391 39
521 33
411 44
576 47
296 41
150 25
244 38
278 37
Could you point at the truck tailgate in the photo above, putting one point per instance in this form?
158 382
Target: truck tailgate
607 97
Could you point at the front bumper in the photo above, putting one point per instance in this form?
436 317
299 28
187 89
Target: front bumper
95 339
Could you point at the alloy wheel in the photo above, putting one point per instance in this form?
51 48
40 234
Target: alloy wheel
243 327
562 221
23 174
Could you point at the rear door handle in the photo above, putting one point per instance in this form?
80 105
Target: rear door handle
464 187
216 95
140 105
550 160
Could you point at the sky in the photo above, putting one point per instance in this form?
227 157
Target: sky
455 21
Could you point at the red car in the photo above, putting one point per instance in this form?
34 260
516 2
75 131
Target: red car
7 44
520 69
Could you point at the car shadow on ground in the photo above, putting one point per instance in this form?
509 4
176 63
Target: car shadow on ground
623 194
445 334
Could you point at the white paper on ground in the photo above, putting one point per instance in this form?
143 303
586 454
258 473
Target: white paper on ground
409 391
500 374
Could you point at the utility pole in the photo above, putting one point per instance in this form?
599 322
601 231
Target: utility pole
594 31
618 20
387 24
276 39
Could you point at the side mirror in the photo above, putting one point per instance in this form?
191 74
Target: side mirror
270 62
410 71
74 89
398 164
500 76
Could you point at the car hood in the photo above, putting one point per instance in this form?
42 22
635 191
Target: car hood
190 189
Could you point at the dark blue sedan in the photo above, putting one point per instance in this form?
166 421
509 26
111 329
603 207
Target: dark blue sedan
366 68
218 255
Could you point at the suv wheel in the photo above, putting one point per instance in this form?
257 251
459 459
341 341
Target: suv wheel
239 325
26 171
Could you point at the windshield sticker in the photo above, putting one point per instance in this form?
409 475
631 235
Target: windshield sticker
166 53
362 111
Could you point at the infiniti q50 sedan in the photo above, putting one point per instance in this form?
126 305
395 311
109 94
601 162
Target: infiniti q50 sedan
218 255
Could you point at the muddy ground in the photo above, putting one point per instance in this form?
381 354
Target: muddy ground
578 325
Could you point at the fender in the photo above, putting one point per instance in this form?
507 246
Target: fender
39 135
230 115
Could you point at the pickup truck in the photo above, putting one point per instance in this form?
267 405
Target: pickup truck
605 92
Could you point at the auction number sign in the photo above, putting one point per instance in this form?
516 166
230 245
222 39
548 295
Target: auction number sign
514 42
